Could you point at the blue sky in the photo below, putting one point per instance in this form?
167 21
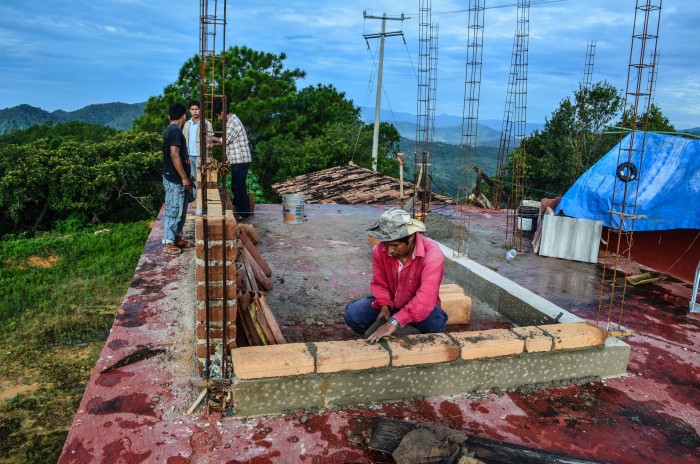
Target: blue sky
68 54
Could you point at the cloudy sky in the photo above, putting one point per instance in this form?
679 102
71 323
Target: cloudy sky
68 54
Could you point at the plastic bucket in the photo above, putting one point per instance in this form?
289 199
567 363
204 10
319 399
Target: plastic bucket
293 208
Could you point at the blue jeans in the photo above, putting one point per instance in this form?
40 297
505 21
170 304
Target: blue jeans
360 315
239 173
175 212
194 160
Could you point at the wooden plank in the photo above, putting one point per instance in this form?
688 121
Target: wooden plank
271 319
262 321
255 254
258 274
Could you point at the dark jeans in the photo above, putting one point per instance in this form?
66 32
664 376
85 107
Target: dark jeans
239 173
360 314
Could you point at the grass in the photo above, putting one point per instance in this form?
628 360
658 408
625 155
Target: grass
59 293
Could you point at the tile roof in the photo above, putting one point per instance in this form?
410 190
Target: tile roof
351 184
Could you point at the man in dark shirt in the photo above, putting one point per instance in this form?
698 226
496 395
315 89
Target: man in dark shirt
177 181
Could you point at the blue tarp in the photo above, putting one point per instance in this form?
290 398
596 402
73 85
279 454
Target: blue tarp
667 187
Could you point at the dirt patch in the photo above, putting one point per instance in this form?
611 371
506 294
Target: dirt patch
8 390
39 261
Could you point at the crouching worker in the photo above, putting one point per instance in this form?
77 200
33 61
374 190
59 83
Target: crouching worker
407 271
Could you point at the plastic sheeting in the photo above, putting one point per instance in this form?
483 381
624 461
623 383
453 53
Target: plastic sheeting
667 186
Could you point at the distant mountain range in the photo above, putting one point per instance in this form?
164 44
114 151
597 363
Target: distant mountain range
116 115
448 128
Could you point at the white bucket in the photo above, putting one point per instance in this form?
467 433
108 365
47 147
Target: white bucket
293 208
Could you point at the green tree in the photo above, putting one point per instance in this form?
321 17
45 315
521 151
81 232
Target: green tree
118 178
652 120
290 131
570 142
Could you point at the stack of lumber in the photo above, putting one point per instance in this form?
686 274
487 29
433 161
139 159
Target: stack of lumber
255 318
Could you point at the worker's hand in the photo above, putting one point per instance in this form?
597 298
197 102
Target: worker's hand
187 182
385 311
384 331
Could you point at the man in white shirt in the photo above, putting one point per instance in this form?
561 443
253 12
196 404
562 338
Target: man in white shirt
192 131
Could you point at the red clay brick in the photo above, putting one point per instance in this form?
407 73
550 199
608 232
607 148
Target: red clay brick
216 226
257 362
216 250
216 313
575 335
350 355
422 349
488 343
202 349
216 290
458 308
215 331
216 272
536 341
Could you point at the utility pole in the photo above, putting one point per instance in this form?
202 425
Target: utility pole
384 18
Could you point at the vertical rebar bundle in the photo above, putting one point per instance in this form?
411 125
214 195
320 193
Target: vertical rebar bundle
580 152
211 89
514 126
638 97
470 120
423 125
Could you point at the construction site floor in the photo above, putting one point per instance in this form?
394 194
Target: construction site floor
137 413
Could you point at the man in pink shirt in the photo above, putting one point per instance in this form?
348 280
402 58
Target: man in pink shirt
407 271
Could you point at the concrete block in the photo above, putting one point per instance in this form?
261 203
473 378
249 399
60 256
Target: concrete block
536 341
350 355
256 362
488 343
422 349
458 308
575 335
450 288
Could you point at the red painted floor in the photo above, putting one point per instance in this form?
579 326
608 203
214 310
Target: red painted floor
135 414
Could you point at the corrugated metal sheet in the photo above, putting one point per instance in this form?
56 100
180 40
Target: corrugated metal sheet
571 238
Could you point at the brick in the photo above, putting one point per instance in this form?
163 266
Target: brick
350 355
202 349
257 362
216 313
575 335
422 349
450 288
216 290
216 272
492 343
215 330
216 249
536 341
458 308
215 227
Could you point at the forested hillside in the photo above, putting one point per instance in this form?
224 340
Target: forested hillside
446 164
115 115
